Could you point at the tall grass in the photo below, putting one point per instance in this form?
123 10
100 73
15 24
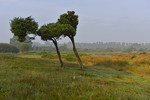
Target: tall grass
24 77
116 60
104 60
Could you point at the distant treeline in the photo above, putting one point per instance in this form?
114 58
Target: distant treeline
101 46
113 46
48 46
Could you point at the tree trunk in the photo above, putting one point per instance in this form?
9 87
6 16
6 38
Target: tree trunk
76 53
58 53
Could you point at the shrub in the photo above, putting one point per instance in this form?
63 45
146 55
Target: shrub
132 57
70 57
143 53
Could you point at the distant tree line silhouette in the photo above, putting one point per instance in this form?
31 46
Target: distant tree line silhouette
100 46
5 48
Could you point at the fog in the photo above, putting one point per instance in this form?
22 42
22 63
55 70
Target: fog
99 20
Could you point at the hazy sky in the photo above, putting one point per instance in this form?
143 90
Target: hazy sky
99 20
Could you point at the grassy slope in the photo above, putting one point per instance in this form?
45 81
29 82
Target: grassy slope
34 78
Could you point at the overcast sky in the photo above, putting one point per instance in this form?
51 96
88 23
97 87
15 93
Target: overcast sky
99 20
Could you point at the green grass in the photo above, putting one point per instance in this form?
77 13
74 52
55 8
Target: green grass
27 77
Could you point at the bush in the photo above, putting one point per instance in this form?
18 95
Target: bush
70 57
134 56
5 48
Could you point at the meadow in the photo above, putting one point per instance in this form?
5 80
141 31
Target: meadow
106 76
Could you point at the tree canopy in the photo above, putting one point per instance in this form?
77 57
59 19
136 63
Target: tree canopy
50 31
21 27
55 30
69 18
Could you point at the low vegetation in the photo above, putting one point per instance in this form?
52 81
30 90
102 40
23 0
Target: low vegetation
7 48
107 76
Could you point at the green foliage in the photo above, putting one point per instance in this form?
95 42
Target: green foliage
4 48
50 31
69 18
68 30
54 30
70 21
22 27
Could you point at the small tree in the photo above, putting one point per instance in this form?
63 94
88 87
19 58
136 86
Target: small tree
70 20
51 32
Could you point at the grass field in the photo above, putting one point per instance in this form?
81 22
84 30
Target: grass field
107 76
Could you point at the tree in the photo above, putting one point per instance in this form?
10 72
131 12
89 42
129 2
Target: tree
21 28
51 32
70 20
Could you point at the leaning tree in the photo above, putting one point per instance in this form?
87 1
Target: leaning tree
71 19
51 32
22 27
